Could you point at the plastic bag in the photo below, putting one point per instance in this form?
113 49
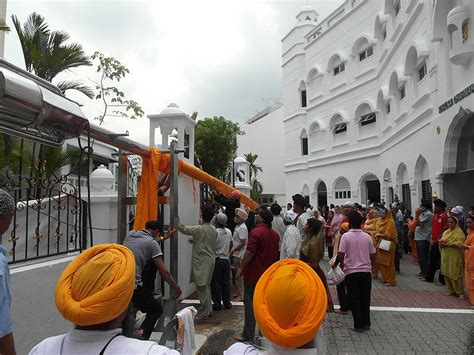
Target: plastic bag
335 276
385 244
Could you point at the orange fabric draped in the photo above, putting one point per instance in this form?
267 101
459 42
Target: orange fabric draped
147 200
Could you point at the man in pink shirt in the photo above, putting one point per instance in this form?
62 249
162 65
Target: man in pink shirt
356 255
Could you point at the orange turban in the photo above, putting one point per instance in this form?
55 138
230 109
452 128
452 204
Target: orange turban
290 303
97 286
345 226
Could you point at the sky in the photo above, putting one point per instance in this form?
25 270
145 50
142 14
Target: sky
219 58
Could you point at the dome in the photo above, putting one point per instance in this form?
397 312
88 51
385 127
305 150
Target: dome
307 8
240 160
102 178
172 109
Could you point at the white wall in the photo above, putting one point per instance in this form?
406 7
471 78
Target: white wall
263 137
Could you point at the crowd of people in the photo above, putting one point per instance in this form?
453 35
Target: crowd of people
272 256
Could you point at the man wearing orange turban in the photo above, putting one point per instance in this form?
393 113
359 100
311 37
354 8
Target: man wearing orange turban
290 304
94 292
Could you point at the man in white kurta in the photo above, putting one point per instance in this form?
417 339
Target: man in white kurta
291 241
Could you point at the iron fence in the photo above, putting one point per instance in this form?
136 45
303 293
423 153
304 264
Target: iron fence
50 217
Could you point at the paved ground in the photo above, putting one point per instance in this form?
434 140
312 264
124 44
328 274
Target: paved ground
414 317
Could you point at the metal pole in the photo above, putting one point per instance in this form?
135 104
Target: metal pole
121 197
174 209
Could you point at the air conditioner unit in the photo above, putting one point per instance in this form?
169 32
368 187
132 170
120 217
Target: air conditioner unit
33 108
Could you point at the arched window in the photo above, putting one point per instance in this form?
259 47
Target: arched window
363 48
336 64
415 62
337 124
342 188
365 115
302 90
304 142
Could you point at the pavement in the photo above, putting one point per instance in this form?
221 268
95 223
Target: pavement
414 317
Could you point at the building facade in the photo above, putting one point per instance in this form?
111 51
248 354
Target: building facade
378 102
263 136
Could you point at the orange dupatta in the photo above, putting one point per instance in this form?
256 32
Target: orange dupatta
147 199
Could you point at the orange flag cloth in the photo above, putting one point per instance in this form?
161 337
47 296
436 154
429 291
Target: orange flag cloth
290 303
147 200
97 286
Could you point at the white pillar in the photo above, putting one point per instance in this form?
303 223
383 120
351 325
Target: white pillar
438 186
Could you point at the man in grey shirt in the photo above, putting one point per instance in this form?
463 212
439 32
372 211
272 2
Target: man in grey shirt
145 247
423 217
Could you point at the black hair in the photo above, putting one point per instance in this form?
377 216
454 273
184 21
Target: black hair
355 220
276 209
315 226
207 213
154 225
267 216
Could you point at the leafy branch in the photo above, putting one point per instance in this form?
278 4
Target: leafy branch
113 99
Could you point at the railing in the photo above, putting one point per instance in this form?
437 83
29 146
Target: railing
50 217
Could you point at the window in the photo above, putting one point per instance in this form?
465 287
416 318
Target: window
339 69
422 71
396 7
303 98
367 119
387 107
401 92
426 192
340 127
366 54
304 146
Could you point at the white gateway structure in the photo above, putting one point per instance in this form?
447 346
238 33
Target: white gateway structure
378 102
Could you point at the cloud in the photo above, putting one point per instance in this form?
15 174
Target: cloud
220 58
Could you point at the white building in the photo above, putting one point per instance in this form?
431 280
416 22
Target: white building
263 136
377 102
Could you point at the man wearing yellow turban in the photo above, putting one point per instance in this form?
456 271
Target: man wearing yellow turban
290 304
94 292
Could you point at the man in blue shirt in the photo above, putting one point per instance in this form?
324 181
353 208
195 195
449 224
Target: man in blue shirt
7 345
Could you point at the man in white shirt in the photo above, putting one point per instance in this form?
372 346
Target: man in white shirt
239 243
299 207
94 292
291 242
277 223
220 284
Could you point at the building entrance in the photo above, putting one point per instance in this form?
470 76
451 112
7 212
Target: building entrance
322 194
459 161
373 190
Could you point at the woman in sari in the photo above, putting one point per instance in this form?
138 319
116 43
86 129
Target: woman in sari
312 252
452 257
386 258
468 247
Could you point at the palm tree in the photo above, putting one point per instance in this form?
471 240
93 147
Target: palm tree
257 187
254 168
47 54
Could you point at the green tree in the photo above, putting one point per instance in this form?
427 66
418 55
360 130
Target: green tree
216 144
114 99
47 54
257 187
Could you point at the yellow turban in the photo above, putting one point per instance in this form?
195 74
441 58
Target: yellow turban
97 286
289 303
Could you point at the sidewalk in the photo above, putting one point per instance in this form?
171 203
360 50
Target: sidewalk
415 317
